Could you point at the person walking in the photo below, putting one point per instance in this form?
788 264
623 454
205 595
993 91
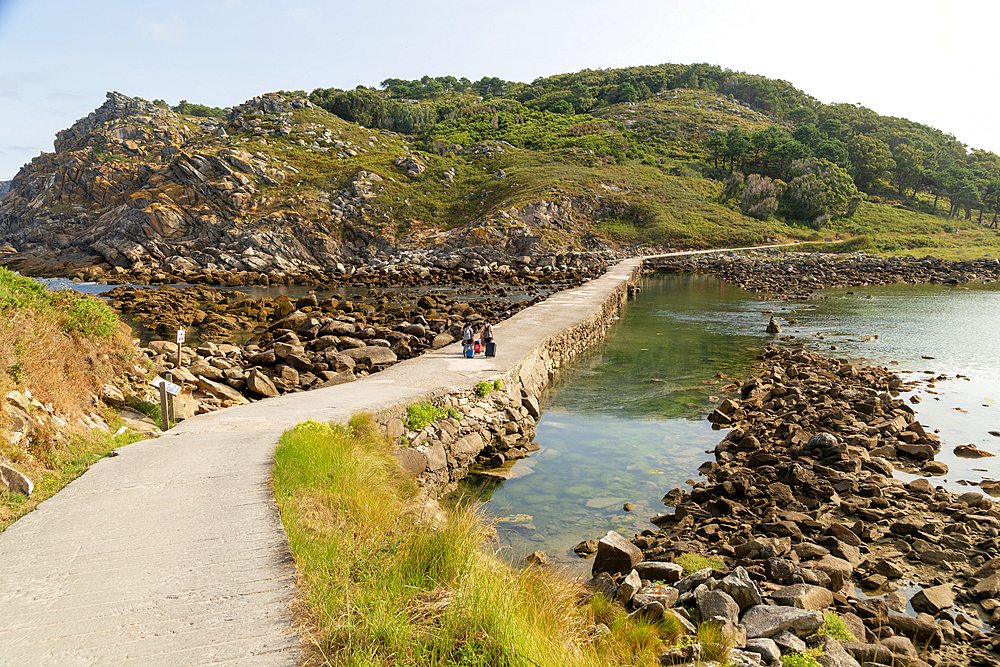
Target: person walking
486 335
467 335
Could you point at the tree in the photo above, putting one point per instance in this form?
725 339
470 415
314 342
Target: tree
908 166
760 196
627 92
818 189
835 151
737 145
870 161
717 144
807 134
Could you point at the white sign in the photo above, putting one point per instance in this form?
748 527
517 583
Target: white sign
180 336
172 389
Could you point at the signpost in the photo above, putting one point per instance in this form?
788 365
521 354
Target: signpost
180 339
167 392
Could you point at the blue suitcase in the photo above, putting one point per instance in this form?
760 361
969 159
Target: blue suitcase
469 351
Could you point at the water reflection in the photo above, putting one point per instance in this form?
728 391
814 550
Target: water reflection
626 422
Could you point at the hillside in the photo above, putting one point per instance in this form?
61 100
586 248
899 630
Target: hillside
462 178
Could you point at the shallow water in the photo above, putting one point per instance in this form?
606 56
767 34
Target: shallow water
627 421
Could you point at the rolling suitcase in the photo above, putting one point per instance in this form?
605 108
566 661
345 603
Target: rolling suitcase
491 349
469 351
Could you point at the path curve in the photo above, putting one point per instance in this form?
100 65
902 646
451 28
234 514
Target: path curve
172 552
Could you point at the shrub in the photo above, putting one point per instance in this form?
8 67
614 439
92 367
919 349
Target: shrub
90 317
760 196
483 388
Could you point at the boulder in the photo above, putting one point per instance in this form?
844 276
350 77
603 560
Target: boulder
221 391
834 654
922 630
659 571
718 606
112 396
371 355
260 384
627 588
934 599
14 481
410 460
741 588
604 584
767 621
615 554
692 581
838 569
766 648
804 596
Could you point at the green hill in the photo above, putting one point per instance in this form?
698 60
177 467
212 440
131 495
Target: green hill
444 172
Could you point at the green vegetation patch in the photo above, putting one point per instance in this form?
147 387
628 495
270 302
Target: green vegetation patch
381 587
834 626
694 562
420 415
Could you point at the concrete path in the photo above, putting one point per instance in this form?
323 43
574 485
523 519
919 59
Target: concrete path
172 552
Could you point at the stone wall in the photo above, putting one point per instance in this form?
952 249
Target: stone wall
495 429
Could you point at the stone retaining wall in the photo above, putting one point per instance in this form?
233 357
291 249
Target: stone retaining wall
497 428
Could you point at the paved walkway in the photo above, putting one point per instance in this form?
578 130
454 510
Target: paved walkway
172 552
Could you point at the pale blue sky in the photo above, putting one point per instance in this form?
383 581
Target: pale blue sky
926 60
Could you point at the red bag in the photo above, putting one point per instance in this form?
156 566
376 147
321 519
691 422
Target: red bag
478 348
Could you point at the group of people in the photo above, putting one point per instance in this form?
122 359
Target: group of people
469 336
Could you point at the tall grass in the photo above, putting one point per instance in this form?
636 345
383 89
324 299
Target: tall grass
380 586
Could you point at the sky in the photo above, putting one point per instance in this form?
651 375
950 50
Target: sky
926 60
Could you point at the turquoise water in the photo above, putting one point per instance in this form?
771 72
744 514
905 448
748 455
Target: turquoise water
627 421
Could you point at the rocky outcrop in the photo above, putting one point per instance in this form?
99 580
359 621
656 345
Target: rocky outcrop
801 506
799 275
136 192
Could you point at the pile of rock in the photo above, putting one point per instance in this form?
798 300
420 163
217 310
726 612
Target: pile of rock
799 274
296 346
802 501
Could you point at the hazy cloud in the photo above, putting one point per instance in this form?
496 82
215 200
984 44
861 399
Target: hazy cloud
168 31
300 13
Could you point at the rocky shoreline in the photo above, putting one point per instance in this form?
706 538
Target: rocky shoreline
803 513
799 275
296 345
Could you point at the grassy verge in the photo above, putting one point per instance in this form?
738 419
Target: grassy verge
63 462
57 348
381 587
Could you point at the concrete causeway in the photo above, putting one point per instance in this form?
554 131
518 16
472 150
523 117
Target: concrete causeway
172 552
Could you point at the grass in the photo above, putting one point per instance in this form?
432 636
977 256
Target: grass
694 562
834 626
798 660
61 464
420 415
378 586
63 346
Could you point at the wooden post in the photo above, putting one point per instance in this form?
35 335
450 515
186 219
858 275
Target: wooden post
164 413
170 402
